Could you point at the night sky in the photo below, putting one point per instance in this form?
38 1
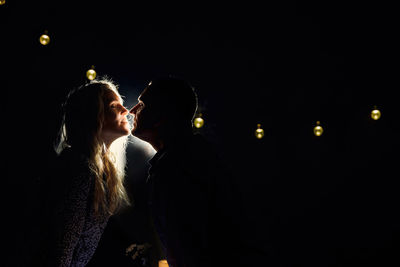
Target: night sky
307 201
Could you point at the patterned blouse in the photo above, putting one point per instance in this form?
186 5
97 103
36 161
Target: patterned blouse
73 230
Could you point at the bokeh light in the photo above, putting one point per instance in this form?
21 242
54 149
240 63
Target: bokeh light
318 130
91 74
198 121
44 38
375 114
259 132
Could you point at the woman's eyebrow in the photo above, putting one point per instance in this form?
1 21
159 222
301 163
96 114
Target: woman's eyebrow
115 102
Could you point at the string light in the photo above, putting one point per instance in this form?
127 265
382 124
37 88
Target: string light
198 122
91 73
375 114
259 132
318 130
44 38
2 2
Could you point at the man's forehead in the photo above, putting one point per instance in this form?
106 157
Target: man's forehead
143 95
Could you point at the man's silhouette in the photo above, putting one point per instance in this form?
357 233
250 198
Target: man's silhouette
190 197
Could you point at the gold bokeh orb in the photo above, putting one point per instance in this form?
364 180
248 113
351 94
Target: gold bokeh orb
44 39
2 2
318 130
259 133
163 263
198 122
91 74
376 114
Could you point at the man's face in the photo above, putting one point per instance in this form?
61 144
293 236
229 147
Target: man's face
136 111
145 117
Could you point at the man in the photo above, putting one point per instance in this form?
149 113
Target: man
190 198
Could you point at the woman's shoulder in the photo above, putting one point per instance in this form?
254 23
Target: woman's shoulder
72 162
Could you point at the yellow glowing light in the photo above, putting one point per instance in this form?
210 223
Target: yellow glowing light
198 122
375 114
318 130
91 74
259 132
44 39
163 263
2 2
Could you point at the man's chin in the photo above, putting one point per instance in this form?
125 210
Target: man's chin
136 133
133 132
142 135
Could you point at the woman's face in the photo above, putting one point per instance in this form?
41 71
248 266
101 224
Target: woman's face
115 123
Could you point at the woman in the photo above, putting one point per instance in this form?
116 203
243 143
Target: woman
86 185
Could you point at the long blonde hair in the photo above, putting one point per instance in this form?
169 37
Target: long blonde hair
81 129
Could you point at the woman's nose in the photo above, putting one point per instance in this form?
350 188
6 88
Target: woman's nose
124 111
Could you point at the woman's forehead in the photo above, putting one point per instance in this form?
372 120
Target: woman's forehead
110 96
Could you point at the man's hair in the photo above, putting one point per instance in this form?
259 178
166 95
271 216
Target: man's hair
175 95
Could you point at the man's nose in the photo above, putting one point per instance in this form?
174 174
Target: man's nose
133 110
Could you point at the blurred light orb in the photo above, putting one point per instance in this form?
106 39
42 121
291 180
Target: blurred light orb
375 114
44 39
259 132
163 263
198 122
2 2
318 130
91 74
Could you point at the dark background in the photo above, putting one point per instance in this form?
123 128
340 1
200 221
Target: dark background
325 201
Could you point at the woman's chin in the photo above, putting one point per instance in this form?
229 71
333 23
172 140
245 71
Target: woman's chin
127 132
123 132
